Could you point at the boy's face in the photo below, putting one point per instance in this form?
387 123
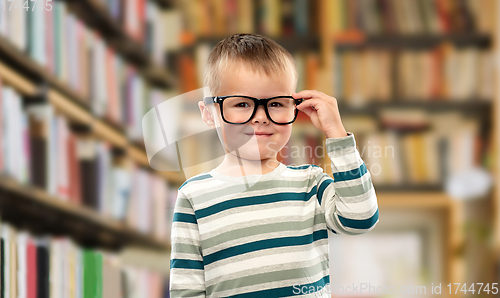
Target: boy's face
259 138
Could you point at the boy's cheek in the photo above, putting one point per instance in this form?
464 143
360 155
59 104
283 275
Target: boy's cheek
232 135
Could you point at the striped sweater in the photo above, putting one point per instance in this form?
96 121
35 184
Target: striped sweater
266 235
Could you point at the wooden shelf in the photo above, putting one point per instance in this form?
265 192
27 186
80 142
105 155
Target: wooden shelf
96 16
27 68
408 188
292 43
415 199
360 40
140 156
79 114
32 208
19 82
452 214
165 3
476 106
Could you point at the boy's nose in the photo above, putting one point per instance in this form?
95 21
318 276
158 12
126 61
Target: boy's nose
260 115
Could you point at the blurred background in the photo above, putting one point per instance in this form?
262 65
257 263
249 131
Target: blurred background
83 213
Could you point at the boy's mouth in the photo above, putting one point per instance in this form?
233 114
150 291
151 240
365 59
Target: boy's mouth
260 134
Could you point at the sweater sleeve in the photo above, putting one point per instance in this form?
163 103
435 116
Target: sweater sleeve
187 275
349 199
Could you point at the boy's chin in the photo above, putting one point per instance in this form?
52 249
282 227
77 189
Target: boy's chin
252 155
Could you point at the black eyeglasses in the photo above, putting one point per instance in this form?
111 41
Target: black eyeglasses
239 109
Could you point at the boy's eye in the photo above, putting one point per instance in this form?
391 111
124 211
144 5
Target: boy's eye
275 104
242 105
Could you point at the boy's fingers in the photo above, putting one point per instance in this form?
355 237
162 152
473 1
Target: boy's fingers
307 94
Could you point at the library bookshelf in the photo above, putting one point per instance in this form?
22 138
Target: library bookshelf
429 197
495 136
433 197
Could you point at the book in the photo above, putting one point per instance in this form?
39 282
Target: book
6 240
92 273
73 168
15 132
42 267
301 17
111 278
88 163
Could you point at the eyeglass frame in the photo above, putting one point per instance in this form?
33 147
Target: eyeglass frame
257 102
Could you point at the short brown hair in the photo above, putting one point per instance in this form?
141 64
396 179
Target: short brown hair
258 52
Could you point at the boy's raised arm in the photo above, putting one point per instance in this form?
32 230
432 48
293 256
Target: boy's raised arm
187 275
349 199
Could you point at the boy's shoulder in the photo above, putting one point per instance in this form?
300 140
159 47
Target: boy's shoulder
305 169
194 179
309 172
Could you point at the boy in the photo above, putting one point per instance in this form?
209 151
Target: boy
254 227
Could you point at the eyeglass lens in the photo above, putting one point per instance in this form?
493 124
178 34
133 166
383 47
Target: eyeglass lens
240 109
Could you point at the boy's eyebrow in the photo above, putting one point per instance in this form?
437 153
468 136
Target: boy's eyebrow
241 94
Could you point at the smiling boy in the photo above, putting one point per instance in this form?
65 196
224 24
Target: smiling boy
254 227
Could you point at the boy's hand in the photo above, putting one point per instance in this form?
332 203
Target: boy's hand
323 111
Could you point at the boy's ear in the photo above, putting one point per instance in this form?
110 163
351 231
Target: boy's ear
206 115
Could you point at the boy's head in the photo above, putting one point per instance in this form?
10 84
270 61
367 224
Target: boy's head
255 66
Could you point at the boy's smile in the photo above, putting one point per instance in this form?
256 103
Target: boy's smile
260 134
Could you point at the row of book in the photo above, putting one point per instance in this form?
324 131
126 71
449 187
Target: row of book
268 17
49 31
445 72
132 15
81 58
145 21
377 17
300 17
414 147
46 266
38 147
444 144
452 145
191 66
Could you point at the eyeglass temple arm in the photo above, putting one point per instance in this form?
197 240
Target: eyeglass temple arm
209 99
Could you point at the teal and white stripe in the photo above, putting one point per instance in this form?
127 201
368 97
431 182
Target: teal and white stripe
269 238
